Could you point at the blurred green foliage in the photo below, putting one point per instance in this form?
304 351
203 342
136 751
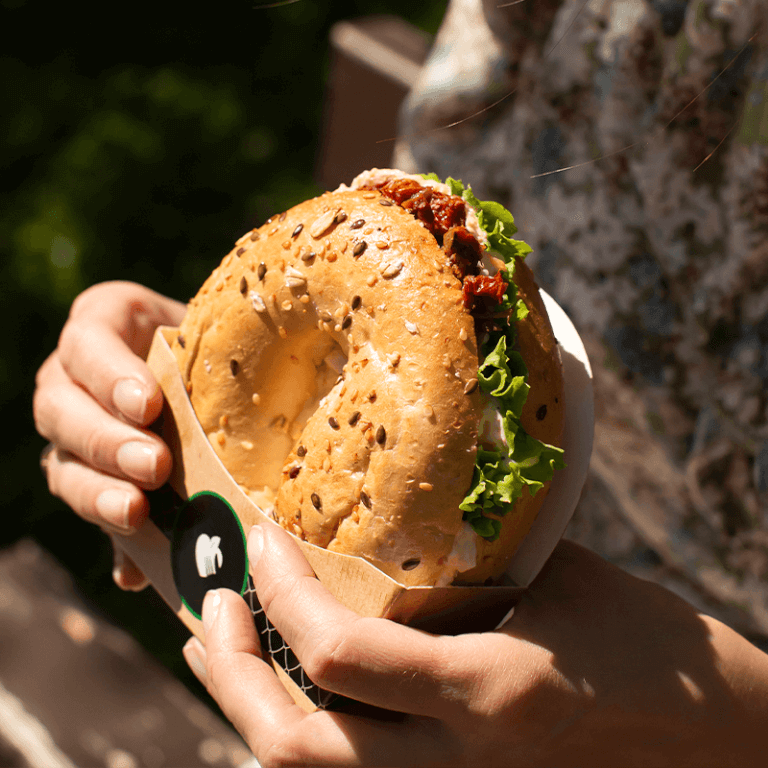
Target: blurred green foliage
139 149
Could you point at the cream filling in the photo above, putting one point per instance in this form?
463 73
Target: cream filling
463 556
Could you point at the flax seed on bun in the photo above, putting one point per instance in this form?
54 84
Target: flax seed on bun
333 363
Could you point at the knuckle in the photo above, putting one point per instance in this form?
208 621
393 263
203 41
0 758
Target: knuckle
216 667
287 752
97 448
90 297
72 338
40 413
331 658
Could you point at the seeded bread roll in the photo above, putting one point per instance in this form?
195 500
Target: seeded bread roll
332 362
374 463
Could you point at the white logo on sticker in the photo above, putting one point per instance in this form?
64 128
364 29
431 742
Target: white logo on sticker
208 555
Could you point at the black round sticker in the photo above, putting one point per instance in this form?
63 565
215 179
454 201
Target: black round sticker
208 550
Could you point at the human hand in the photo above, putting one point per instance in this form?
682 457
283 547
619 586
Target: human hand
93 400
596 667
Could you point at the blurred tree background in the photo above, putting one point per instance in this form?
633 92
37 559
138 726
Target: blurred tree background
138 143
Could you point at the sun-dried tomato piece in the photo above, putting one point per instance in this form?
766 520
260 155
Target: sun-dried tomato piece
463 250
483 287
399 190
436 210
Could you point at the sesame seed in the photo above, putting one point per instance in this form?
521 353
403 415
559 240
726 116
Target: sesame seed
182 341
463 334
346 322
369 195
255 236
356 302
470 386
326 317
301 451
322 223
425 486
240 251
339 217
243 285
381 435
221 439
392 270
333 422
224 420
359 248
255 398
282 216
258 303
366 499
234 366
262 270
409 565
308 255
386 202
316 503
294 472
371 280
541 413
208 366
357 224
296 232
287 304
353 419
282 332
246 445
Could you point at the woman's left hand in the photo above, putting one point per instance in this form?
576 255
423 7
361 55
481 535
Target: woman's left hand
596 667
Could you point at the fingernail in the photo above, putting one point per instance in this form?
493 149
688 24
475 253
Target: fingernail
255 544
211 603
130 399
138 460
194 653
113 507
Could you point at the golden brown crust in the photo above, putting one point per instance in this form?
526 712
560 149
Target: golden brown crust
380 468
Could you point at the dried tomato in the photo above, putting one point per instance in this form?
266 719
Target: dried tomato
483 287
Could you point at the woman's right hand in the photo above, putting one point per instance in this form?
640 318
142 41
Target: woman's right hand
94 399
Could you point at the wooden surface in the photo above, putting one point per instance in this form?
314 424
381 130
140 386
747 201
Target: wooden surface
77 691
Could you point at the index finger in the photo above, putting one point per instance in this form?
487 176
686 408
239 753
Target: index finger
372 660
105 341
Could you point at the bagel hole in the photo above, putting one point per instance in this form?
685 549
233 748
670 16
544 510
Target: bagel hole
302 371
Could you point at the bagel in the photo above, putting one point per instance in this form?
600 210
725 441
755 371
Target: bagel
333 361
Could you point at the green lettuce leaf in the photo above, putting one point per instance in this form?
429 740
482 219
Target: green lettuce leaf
495 220
500 476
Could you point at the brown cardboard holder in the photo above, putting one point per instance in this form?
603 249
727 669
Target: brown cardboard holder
356 583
